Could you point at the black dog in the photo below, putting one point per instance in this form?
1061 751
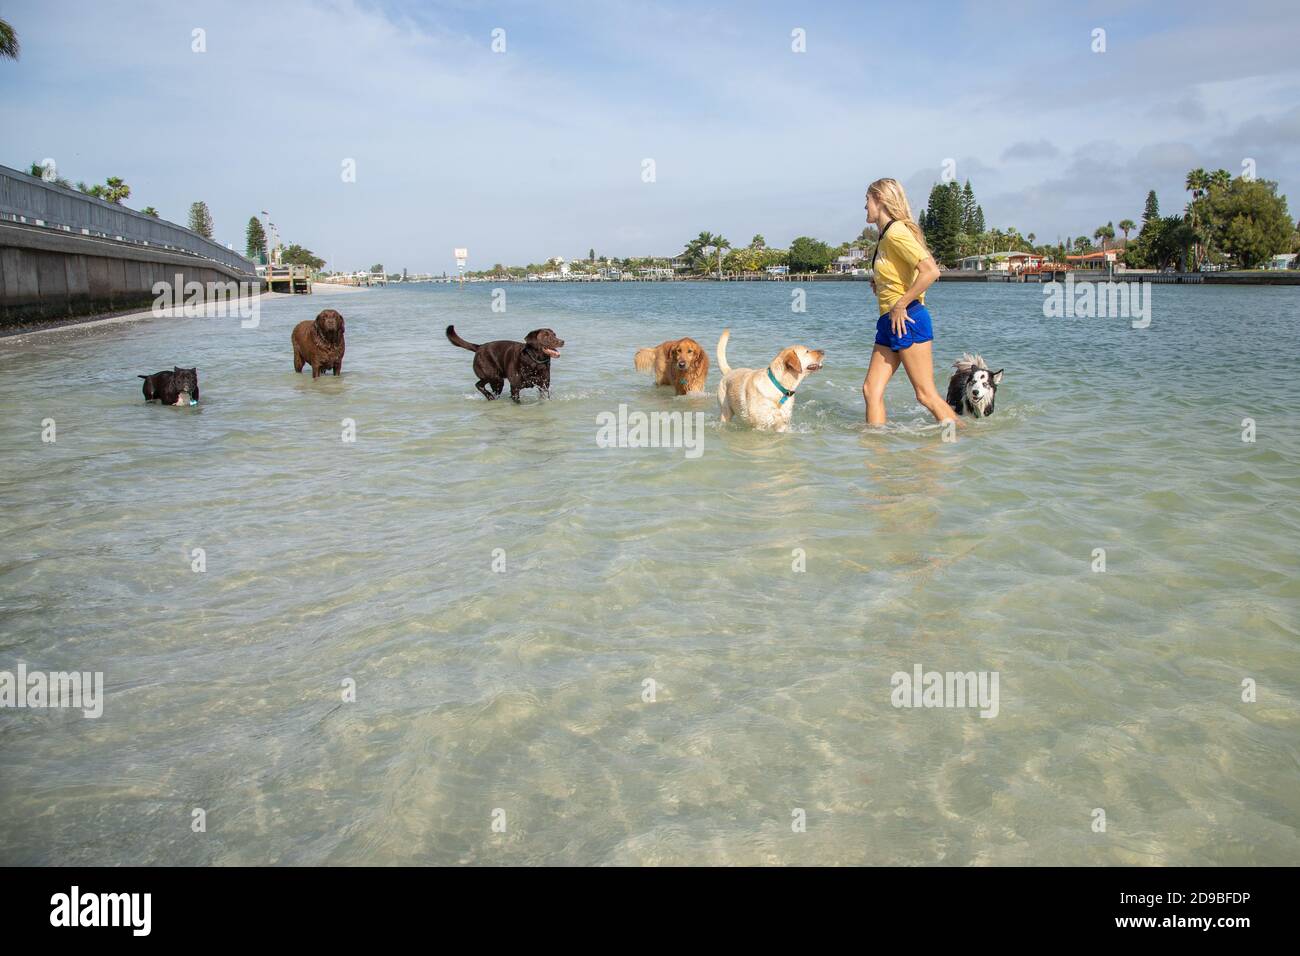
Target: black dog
176 387
525 364
973 387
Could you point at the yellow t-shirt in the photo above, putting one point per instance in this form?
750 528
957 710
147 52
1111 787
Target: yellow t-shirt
896 265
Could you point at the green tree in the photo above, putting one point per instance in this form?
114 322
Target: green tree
744 259
809 255
1125 226
968 210
298 256
943 223
1197 183
1152 210
255 240
9 46
113 190
695 253
1246 219
703 249
150 211
1140 254
1104 233
1174 243
758 242
719 245
200 219
377 268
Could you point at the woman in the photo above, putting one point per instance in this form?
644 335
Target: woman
903 269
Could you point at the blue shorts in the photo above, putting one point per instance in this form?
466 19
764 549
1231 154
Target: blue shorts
918 329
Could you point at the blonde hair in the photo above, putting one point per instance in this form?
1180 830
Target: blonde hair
889 193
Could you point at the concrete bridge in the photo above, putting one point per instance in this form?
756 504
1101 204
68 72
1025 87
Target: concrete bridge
65 254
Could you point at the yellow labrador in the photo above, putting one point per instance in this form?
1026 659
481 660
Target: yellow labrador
764 398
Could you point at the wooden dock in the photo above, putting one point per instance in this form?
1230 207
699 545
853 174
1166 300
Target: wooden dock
292 279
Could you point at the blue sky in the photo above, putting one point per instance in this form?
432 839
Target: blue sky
538 151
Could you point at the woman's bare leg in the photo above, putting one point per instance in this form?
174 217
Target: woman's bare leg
883 364
918 362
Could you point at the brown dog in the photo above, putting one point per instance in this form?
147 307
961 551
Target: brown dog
680 363
525 364
319 344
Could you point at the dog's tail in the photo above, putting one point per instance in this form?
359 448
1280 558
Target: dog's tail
645 360
457 340
969 363
722 352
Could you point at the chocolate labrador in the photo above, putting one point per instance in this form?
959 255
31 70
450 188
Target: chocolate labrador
180 386
525 364
319 343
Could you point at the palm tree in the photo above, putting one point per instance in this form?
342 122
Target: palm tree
9 46
1103 233
719 244
1125 225
758 242
1198 183
694 250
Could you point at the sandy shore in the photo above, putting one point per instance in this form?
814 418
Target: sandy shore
319 288
210 310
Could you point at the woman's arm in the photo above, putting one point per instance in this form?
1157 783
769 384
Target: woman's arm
926 272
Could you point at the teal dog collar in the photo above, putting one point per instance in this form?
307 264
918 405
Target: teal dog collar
781 388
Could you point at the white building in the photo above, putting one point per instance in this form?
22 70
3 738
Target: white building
1004 262
851 262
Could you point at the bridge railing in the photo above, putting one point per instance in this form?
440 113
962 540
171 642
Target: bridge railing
30 199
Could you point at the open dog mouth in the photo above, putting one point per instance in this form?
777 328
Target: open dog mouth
813 367
554 353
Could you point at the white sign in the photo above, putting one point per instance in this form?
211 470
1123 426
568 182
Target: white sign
461 256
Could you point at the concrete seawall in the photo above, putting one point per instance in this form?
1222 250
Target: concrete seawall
48 275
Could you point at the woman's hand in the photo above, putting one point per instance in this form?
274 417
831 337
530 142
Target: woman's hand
899 318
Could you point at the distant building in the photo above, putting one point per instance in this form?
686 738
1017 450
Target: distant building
777 270
1105 261
850 262
1285 260
1008 263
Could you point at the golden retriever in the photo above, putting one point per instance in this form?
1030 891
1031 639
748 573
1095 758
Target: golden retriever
680 363
764 398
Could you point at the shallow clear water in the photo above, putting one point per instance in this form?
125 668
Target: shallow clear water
522 690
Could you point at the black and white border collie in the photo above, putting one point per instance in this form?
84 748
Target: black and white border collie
973 387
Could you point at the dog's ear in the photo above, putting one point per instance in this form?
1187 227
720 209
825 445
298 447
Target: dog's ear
340 323
790 358
996 377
